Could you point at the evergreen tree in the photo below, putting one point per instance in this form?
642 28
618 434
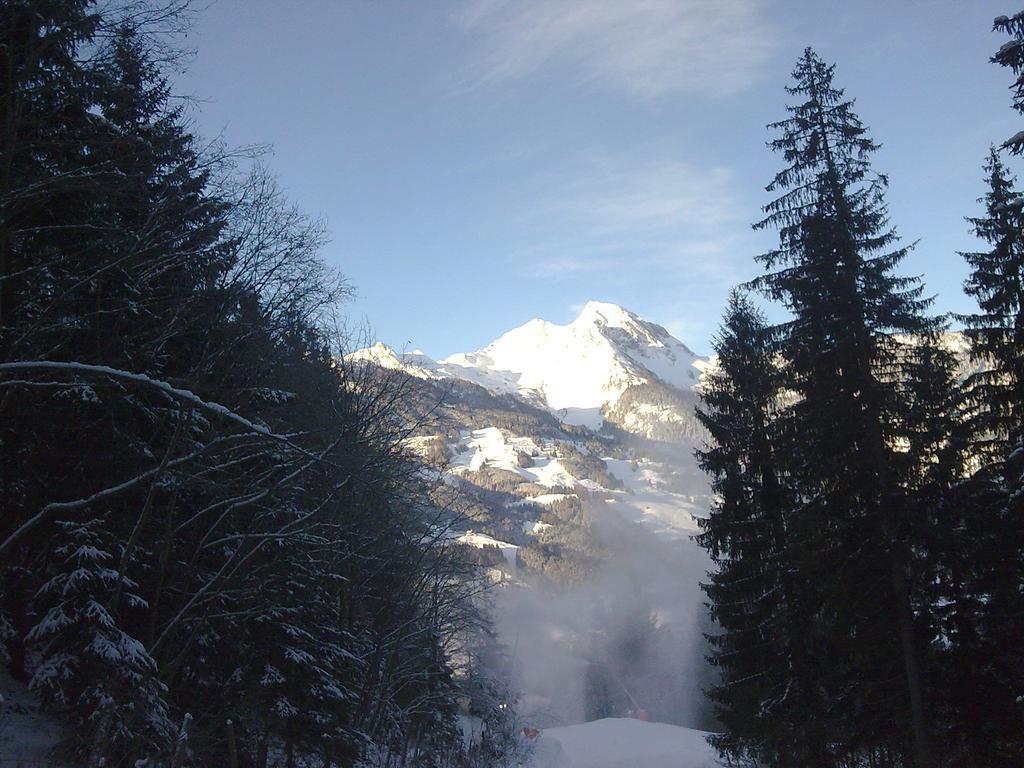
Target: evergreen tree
980 539
204 511
1011 54
996 387
44 101
769 697
91 670
850 354
744 535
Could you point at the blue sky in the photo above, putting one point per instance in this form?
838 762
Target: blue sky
483 162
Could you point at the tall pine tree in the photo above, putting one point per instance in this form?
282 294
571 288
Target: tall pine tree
1011 55
857 339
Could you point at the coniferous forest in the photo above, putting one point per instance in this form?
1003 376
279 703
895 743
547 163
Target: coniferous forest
869 529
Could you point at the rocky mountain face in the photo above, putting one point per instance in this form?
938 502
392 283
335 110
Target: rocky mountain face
552 420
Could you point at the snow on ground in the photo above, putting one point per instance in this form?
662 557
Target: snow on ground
672 515
480 540
26 735
535 528
550 473
623 743
591 418
637 477
645 501
491 447
544 498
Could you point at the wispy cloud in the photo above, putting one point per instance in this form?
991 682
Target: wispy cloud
651 196
601 216
646 48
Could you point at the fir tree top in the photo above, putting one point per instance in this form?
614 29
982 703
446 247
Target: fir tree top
824 143
996 282
835 239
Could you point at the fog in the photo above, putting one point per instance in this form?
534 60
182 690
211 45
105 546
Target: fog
630 639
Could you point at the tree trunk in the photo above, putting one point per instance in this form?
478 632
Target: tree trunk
232 746
182 742
915 688
261 750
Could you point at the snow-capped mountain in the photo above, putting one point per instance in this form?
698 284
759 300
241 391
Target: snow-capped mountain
600 409
570 451
604 404
580 370
588 363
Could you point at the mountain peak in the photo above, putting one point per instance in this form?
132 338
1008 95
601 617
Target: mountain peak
587 364
414 363
604 310
604 313
576 369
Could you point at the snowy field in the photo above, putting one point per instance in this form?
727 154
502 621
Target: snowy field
623 743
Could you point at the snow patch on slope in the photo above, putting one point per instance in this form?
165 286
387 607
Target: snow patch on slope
481 540
490 447
663 512
422 366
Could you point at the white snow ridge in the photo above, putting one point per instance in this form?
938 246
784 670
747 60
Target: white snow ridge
588 363
575 370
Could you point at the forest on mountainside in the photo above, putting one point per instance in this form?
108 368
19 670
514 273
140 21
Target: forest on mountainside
869 528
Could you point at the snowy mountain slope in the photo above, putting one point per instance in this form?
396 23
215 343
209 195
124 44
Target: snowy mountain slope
571 449
579 371
607 369
585 365
421 366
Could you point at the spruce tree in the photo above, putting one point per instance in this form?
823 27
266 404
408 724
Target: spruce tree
995 389
162 545
849 353
44 102
981 553
91 671
768 716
